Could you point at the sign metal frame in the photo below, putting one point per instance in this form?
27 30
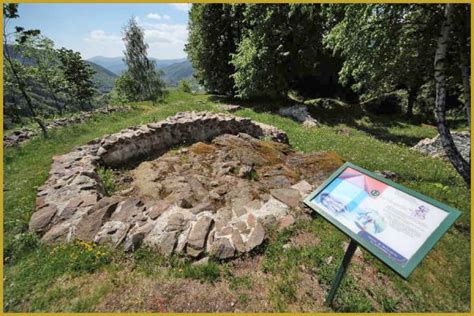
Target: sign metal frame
407 269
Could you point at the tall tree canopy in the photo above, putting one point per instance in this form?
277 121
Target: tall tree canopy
78 76
214 33
15 70
384 46
141 81
280 45
390 46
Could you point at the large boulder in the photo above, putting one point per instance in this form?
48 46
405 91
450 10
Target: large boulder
433 147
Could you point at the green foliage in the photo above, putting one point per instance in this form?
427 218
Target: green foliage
383 45
125 89
108 179
78 76
386 47
184 86
45 67
258 50
141 81
16 72
281 45
20 245
388 103
214 33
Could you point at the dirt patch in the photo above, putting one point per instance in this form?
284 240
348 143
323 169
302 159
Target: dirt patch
305 239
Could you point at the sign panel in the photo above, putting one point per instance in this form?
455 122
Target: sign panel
394 223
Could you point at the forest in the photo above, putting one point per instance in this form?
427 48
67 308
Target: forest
355 52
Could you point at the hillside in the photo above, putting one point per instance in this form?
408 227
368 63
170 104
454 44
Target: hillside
117 65
103 78
173 73
291 272
173 70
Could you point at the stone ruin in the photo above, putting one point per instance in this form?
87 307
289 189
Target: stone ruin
20 136
218 196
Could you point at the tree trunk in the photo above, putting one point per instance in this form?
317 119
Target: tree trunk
21 87
14 109
461 166
462 31
412 93
466 82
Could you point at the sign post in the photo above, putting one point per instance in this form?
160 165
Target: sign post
342 271
397 225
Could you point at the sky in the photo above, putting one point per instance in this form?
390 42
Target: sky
95 29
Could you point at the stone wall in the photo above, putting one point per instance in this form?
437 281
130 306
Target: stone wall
18 137
184 128
72 203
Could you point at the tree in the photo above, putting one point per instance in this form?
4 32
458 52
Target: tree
462 14
184 86
383 46
40 50
126 89
11 104
389 46
78 76
281 45
10 11
440 65
144 80
215 31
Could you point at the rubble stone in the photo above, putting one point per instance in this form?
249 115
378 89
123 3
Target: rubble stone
216 197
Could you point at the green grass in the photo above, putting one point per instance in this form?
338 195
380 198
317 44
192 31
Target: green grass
108 178
440 283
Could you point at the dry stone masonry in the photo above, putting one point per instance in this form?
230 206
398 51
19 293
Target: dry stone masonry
18 137
217 196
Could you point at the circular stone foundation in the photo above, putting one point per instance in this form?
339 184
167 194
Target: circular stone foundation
217 196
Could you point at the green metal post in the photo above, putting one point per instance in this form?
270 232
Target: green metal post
342 270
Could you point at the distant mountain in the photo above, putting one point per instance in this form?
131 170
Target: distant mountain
113 64
173 73
117 65
103 78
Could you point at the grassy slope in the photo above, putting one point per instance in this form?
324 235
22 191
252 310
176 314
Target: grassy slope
51 279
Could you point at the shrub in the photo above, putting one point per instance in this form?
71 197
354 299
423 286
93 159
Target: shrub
108 179
389 103
184 86
20 244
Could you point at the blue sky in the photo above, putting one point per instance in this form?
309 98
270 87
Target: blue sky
95 29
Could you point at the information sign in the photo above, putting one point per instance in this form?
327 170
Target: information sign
397 225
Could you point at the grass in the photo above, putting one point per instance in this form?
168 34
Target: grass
40 278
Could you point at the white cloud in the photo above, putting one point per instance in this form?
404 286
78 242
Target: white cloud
165 33
101 36
182 6
154 16
166 17
166 40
